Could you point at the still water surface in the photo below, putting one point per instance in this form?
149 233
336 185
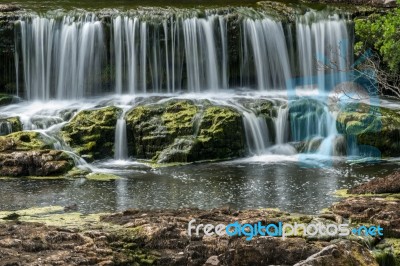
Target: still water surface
257 182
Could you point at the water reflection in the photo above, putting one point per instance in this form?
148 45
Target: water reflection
239 184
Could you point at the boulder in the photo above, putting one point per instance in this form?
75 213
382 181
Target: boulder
180 131
91 133
375 127
10 125
344 253
35 163
25 141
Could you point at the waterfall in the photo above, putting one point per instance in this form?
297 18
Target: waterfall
77 56
61 59
281 125
121 141
326 41
256 131
5 128
70 57
271 60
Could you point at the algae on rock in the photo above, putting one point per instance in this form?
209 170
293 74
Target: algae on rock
91 133
180 131
377 127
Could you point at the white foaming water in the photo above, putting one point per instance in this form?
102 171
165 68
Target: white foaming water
303 120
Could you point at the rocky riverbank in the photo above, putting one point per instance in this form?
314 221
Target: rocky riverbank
60 236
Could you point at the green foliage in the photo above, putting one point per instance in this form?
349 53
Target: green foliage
382 34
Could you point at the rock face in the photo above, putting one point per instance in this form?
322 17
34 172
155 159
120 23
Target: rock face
375 127
180 131
91 133
35 163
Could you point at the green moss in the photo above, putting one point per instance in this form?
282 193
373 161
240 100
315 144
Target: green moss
14 122
6 99
387 196
76 172
178 117
46 177
101 177
387 252
180 131
92 132
377 127
25 141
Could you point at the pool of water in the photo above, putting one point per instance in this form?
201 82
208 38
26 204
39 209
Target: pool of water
268 181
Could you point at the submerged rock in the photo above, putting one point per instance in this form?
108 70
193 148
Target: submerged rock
180 131
35 163
102 177
91 133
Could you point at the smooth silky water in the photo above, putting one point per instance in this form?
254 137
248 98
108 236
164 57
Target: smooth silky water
64 65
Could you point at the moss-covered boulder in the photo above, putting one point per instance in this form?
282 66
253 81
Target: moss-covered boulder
180 131
6 99
221 134
9 125
152 128
25 141
377 127
91 133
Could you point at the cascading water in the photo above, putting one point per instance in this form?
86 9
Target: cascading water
67 57
61 58
121 141
74 57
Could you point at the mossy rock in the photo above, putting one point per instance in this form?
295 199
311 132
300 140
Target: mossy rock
154 127
91 133
101 177
6 99
180 131
387 252
376 127
10 125
24 141
221 134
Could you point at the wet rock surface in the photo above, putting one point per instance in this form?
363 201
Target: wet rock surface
35 163
377 129
160 238
388 184
91 133
181 131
